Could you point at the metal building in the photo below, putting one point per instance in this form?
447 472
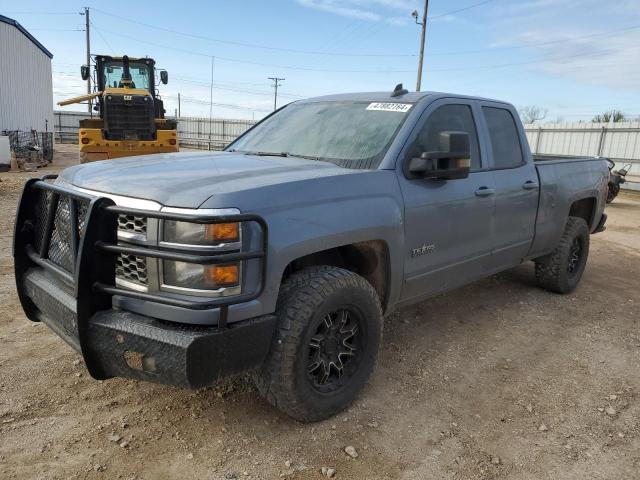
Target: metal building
26 93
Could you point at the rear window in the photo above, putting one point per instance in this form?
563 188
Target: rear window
505 140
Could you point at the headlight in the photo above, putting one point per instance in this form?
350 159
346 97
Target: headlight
201 277
200 234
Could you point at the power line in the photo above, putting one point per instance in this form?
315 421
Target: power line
234 60
231 106
223 86
55 29
458 10
310 69
539 44
254 45
41 13
103 38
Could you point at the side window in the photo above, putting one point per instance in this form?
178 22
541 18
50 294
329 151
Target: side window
447 118
505 139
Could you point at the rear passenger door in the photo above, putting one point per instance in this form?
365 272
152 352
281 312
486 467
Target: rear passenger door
516 183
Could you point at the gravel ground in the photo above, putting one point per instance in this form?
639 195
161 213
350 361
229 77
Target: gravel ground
495 380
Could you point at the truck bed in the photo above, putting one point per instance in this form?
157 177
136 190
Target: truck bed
562 158
563 181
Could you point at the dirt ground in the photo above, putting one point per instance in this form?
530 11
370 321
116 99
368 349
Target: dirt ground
495 380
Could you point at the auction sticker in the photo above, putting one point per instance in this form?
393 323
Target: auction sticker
389 107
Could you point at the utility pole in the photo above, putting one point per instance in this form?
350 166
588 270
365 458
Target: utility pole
275 85
88 36
179 105
211 101
422 36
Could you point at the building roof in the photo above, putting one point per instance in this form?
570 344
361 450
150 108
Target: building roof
11 21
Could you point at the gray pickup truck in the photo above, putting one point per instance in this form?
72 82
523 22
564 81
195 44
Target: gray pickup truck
282 254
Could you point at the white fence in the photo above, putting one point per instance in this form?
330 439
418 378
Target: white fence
210 135
618 141
193 132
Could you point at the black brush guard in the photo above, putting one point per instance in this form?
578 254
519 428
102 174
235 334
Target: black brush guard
71 289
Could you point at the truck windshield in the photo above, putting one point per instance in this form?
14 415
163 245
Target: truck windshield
112 74
349 134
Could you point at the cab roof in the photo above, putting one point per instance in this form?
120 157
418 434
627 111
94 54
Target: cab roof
410 97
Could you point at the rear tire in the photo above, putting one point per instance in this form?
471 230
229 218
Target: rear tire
326 343
612 192
562 269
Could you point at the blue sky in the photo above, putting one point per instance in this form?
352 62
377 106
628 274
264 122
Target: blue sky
574 57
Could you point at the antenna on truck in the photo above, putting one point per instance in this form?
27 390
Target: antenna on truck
398 91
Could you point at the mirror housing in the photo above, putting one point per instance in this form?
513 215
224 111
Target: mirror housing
164 77
84 72
451 162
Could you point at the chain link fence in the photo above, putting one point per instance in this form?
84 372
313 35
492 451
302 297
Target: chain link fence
31 146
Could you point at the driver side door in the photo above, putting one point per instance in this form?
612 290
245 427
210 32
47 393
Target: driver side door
448 223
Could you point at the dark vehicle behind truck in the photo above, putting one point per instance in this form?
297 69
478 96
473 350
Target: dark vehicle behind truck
282 254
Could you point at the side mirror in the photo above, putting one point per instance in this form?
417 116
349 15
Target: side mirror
451 162
84 72
164 77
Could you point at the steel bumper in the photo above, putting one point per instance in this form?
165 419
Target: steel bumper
71 289
123 344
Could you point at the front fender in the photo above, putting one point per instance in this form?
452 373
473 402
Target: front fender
312 228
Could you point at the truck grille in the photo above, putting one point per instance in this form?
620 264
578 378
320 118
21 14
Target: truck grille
128 267
132 269
132 224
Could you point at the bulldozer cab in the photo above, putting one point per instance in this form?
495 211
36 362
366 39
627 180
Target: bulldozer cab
111 73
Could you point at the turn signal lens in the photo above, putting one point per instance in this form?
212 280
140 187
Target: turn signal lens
217 232
222 275
187 233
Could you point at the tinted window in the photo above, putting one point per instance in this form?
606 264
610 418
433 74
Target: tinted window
448 118
505 140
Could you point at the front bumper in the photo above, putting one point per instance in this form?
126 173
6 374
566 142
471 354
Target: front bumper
72 294
118 343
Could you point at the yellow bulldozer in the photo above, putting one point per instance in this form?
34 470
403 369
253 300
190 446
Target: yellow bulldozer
131 114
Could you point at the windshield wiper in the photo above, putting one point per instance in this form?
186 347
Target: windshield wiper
264 154
277 154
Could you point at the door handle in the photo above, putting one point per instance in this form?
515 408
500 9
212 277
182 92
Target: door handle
485 192
530 185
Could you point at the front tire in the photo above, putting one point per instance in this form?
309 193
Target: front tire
562 269
326 344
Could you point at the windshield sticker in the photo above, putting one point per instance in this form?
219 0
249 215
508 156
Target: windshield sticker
390 107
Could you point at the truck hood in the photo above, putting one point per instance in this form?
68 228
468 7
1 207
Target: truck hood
188 179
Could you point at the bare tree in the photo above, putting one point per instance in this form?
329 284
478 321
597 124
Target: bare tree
606 117
532 113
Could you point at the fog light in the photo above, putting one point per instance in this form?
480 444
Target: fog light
172 141
85 141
